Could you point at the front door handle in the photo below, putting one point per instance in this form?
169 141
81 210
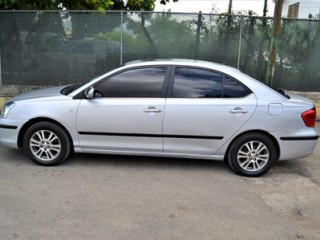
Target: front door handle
152 110
238 110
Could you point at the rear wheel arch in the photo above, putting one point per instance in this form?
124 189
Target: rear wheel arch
31 122
252 153
274 140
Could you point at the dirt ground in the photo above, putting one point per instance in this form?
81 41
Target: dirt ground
292 189
117 197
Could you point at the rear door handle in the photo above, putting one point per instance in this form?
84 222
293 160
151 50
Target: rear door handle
238 110
152 110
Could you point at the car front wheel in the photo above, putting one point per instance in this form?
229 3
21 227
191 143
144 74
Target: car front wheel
252 155
46 143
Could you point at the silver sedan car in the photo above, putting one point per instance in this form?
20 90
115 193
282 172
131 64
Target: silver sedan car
171 108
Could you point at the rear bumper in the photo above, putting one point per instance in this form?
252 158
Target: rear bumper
297 147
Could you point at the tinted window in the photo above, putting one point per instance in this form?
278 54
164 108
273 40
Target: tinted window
232 89
196 83
135 83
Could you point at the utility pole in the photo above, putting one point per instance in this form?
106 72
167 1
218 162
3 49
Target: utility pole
229 14
272 54
265 8
230 7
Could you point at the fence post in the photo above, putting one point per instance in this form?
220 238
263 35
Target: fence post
240 38
0 68
121 41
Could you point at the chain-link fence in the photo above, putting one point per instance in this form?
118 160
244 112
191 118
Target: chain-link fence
59 47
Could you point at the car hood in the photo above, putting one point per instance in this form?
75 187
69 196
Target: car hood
46 92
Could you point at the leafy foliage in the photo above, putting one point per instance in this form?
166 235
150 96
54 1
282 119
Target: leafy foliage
86 4
145 5
237 40
28 4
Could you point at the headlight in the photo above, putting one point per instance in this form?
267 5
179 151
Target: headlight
6 108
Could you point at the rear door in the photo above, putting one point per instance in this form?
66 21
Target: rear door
203 110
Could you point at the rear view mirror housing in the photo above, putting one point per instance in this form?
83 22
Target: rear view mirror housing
89 93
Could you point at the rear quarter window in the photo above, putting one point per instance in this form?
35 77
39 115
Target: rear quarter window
233 89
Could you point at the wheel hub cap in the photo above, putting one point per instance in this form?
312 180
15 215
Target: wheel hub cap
45 145
253 156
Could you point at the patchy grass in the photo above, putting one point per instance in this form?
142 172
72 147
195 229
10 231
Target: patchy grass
3 100
318 110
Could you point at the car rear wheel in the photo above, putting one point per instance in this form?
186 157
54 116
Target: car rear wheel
252 155
46 144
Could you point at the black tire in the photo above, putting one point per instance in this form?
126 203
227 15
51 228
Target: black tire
252 155
46 144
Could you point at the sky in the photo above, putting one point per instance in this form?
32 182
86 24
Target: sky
220 6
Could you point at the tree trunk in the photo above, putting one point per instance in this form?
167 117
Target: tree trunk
154 50
197 43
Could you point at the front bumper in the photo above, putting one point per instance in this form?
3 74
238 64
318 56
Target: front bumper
9 132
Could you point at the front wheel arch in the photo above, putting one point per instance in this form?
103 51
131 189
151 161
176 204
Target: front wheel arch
31 122
46 143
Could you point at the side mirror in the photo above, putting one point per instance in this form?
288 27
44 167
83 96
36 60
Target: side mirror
89 93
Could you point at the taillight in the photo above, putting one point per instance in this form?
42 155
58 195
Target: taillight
309 117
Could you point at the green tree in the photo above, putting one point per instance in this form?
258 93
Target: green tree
173 37
145 5
79 21
85 4
28 4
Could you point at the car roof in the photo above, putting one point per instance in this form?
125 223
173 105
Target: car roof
183 62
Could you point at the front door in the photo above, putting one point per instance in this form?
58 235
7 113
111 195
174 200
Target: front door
126 114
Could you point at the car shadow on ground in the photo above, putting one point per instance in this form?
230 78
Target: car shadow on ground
143 162
18 157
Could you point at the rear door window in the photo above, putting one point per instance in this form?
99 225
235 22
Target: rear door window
196 83
201 83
